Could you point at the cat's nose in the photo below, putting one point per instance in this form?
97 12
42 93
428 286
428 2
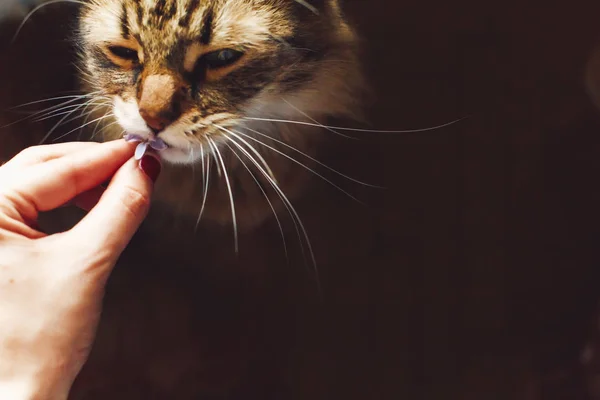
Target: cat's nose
158 103
157 121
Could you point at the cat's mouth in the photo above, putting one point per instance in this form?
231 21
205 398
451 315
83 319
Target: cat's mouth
181 154
177 155
179 143
174 150
167 151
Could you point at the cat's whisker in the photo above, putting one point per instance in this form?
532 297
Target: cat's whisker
206 174
88 81
303 166
310 7
290 207
287 44
38 113
109 113
50 99
86 74
85 120
233 214
312 158
251 148
265 195
219 172
316 122
279 193
79 127
57 114
341 128
48 112
95 131
36 9
106 127
58 124
61 111
191 161
82 114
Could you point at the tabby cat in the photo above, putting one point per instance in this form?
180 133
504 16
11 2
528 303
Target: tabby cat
238 89
214 79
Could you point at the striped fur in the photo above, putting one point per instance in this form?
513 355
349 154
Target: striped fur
298 59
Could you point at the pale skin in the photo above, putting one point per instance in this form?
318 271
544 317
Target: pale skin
51 286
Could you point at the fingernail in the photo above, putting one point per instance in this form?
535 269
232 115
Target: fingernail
151 166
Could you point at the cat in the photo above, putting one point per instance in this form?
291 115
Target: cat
214 80
178 321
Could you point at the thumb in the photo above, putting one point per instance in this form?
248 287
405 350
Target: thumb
111 224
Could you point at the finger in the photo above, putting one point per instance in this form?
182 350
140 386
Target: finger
49 185
39 154
122 208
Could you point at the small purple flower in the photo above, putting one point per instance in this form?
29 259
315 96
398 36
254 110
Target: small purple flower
140 150
130 137
156 143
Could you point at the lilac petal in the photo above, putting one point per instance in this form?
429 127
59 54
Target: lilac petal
158 144
140 150
130 137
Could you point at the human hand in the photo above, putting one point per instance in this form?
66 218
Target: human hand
51 286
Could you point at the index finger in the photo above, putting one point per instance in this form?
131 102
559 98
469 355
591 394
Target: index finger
51 184
42 153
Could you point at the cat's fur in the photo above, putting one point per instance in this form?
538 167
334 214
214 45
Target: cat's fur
299 63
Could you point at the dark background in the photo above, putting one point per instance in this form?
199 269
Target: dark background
474 275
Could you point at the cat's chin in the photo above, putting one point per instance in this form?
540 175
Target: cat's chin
178 156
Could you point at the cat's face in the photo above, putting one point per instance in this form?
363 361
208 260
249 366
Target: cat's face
188 70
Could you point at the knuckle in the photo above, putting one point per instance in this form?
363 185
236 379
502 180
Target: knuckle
134 201
32 152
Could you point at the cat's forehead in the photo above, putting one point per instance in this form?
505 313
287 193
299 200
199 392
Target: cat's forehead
164 23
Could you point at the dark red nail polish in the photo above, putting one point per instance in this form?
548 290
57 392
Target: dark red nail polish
151 166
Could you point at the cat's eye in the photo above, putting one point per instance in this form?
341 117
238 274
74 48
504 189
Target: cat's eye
124 53
222 58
